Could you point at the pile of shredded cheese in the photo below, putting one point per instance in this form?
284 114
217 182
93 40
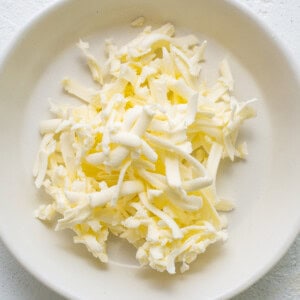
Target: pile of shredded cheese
138 158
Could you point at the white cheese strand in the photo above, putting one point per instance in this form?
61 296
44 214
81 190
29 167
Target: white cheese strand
74 216
119 184
78 90
92 62
127 188
171 258
139 128
213 159
95 158
181 199
172 171
226 73
156 180
177 234
49 126
45 141
179 87
127 139
47 147
43 164
149 152
170 147
66 146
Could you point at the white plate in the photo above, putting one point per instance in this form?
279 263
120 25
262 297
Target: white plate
266 186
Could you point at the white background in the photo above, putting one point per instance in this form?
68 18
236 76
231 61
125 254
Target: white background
283 281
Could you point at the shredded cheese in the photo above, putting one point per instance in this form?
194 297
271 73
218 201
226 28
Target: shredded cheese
138 158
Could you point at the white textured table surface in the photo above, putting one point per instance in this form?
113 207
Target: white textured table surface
283 281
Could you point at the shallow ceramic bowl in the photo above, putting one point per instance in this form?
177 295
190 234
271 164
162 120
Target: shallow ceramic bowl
265 187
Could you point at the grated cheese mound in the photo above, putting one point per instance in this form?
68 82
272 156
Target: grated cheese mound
138 158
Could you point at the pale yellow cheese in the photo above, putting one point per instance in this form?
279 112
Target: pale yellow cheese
138 158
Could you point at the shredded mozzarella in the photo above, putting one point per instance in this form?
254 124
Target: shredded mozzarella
139 156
